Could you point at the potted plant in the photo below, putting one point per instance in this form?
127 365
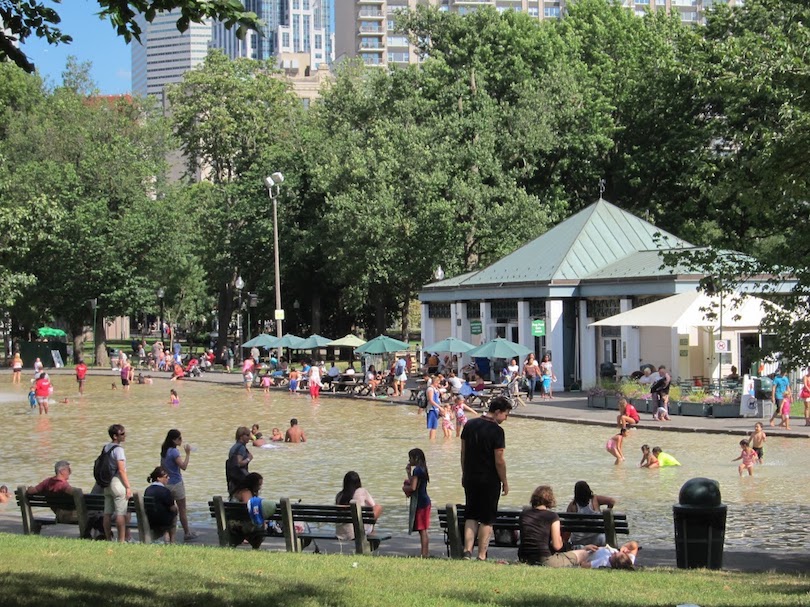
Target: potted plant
694 404
726 406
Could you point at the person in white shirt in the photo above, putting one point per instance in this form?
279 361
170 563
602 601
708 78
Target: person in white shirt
649 378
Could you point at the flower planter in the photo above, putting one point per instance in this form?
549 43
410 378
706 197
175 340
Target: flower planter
596 402
694 409
612 402
726 410
643 405
674 407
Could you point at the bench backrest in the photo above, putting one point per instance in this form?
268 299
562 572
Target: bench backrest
137 504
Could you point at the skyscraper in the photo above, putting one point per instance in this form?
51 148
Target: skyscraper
165 54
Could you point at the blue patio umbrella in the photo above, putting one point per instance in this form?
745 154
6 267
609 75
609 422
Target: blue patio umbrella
265 340
288 341
314 341
451 344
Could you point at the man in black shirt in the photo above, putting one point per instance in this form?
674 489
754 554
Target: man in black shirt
483 473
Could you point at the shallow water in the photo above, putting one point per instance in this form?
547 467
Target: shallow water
766 511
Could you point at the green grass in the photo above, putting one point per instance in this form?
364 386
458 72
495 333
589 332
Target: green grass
48 571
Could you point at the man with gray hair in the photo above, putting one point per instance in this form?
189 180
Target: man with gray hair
58 484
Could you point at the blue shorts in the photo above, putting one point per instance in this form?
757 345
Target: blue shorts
293 385
432 419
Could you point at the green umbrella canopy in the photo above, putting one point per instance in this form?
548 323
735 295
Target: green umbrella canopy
499 348
314 341
51 332
265 340
381 345
288 341
347 341
451 344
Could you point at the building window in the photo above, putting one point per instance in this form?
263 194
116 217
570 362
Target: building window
473 309
318 42
537 308
439 310
504 308
534 11
603 308
551 12
397 57
397 41
285 39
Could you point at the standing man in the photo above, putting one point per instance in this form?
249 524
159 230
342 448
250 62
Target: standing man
236 467
400 376
117 494
81 374
483 473
780 389
294 433
660 391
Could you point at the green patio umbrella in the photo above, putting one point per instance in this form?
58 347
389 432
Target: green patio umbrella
288 341
499 348
314 341
51 332
265 340
451 344
381 344
347 341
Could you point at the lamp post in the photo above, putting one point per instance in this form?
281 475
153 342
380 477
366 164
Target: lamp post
273 183
160 293
296 307
239 284
253 301
439 273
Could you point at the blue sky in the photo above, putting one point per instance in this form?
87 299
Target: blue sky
93 40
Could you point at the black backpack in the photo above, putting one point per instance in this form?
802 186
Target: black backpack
421 399
105 466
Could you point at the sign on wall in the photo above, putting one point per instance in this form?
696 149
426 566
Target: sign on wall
475 327
539 327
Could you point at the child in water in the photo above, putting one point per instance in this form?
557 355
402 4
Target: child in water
614 445
748 457
757 440
32 398
173 398
664 459
416 486
785 412
266 379
459 406
447 421
293 379
648 460
277 436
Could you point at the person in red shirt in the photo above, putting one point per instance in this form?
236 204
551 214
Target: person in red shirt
42 390
57 484
628 416
81 374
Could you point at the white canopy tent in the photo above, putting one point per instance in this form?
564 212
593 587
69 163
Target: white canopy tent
693 309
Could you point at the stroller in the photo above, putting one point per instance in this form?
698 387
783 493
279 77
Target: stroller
512 390
192 368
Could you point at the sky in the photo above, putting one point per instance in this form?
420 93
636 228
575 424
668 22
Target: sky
93 40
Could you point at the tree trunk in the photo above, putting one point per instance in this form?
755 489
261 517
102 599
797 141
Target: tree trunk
77 330
316 313
100 338
380 316
224 316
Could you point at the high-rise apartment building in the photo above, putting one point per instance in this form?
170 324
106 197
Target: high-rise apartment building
165 54
291 27
365 28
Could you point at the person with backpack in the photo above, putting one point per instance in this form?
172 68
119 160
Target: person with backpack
400 376
110 472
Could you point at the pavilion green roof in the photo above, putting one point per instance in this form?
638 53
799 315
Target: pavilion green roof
601 241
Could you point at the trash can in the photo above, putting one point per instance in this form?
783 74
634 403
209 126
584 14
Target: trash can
700 525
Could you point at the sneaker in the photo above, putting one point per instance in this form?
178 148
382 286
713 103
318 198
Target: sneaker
190 536
466 556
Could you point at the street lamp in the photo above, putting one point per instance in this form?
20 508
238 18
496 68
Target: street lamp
439 273
160 293
273 183
239 284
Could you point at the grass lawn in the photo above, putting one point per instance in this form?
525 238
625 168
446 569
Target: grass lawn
47 571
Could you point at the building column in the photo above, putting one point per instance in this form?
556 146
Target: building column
525 325
554 340
630 345
486 308
587 347
428 330
462 329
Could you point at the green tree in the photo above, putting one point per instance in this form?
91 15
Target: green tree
21 20
235 120
91 159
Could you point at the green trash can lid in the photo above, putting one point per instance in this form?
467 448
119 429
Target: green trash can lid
702 492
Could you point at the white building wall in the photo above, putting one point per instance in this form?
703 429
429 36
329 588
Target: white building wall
554 340
630 347
587 347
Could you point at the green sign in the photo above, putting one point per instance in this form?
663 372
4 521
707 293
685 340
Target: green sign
539 327
475 327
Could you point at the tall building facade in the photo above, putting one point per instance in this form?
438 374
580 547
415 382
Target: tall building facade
291 27
165 54
365 28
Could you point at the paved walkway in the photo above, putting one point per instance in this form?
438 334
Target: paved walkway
565 407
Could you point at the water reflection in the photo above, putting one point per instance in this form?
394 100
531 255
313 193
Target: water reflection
373 438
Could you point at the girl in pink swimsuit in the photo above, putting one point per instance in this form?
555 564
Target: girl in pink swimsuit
614 445
459 407
748 457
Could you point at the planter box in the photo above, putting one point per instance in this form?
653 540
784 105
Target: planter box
694 409
674 407
642 405
612 402
596 402
726 410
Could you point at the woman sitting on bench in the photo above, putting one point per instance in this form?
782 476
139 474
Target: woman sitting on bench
353 490
247 492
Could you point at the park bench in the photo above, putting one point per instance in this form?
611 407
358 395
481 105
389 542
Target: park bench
82 504
451 522
288 514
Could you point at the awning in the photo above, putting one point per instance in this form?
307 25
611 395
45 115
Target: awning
693 309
